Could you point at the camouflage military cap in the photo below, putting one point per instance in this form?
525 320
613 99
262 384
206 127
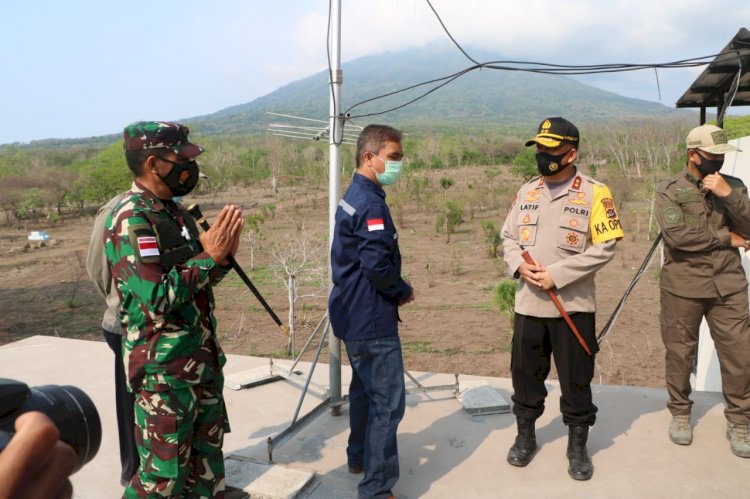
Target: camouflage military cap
144 135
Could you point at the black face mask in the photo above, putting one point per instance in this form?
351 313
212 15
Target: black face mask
549 164
182 178
708 166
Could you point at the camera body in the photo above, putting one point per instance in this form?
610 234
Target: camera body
68 407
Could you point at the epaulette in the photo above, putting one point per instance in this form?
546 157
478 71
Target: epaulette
593 181
534 180
666 183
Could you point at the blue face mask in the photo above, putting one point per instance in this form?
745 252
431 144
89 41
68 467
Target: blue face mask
392 171
178 199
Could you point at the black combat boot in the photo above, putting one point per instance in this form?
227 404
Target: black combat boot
580 467
521 452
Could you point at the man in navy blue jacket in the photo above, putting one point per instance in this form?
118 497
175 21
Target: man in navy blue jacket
363 307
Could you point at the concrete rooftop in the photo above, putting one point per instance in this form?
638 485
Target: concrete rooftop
444 452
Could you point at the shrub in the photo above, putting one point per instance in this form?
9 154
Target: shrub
504 298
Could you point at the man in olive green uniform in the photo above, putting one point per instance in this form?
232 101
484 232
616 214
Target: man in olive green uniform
164 272
568 223
705 220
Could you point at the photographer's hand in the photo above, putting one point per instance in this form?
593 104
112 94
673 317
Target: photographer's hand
36 464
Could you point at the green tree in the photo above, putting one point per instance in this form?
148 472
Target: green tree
452 217
31 202
446 183
491 237
101 177
524 164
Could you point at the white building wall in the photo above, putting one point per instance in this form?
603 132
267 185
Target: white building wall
708 376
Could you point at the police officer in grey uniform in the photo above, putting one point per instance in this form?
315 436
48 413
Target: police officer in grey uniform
705 220
568 223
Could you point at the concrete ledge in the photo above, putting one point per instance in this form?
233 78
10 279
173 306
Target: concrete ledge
265 481
443 451
250 378
478 398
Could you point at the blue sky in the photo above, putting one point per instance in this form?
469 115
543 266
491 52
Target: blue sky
79 68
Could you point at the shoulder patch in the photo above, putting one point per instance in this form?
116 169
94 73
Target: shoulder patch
375 224
144 242
672 215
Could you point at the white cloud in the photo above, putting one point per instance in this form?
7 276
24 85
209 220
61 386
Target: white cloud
237 50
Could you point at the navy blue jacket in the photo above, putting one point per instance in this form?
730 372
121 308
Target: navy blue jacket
366 265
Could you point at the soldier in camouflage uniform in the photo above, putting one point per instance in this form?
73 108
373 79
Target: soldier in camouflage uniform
164 272
704 217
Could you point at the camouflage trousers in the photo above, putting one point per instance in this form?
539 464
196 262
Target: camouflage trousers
179 435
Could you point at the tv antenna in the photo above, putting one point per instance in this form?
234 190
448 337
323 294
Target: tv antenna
306 129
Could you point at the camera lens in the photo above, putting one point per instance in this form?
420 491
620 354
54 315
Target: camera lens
73 413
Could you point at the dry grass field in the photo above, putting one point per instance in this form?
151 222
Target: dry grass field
453 326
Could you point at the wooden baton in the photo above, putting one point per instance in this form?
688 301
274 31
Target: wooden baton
528 259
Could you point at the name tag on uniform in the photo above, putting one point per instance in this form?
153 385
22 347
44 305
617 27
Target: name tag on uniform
375 224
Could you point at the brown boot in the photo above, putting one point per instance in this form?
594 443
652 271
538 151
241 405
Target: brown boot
680 431
738 436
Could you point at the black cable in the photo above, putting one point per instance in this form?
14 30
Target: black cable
543 68
451 76
332 131
449 34
455 76
658 86
529 67
733 91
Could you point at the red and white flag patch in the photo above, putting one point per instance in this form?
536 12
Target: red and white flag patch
375 224
147 246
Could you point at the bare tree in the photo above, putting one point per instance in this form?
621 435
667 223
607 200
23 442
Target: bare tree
300 264
253 235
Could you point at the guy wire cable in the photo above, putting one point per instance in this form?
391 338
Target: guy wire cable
641 271
736 86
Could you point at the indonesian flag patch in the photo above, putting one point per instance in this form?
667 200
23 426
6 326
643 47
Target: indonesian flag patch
147 246
375 224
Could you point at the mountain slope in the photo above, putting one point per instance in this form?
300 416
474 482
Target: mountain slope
483 96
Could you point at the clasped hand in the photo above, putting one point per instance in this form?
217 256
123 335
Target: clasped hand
223 238
536 276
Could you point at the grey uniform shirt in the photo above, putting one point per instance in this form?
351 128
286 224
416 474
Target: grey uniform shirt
98 268
572 234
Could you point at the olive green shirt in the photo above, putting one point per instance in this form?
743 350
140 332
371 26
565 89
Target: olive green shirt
699 261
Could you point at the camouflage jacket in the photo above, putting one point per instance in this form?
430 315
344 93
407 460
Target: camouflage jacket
164 280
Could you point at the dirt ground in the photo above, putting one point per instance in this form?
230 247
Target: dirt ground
452 327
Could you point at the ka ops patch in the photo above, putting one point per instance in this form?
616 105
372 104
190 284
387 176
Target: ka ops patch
672 215
144 242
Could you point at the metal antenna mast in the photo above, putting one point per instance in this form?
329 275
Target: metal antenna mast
334 186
